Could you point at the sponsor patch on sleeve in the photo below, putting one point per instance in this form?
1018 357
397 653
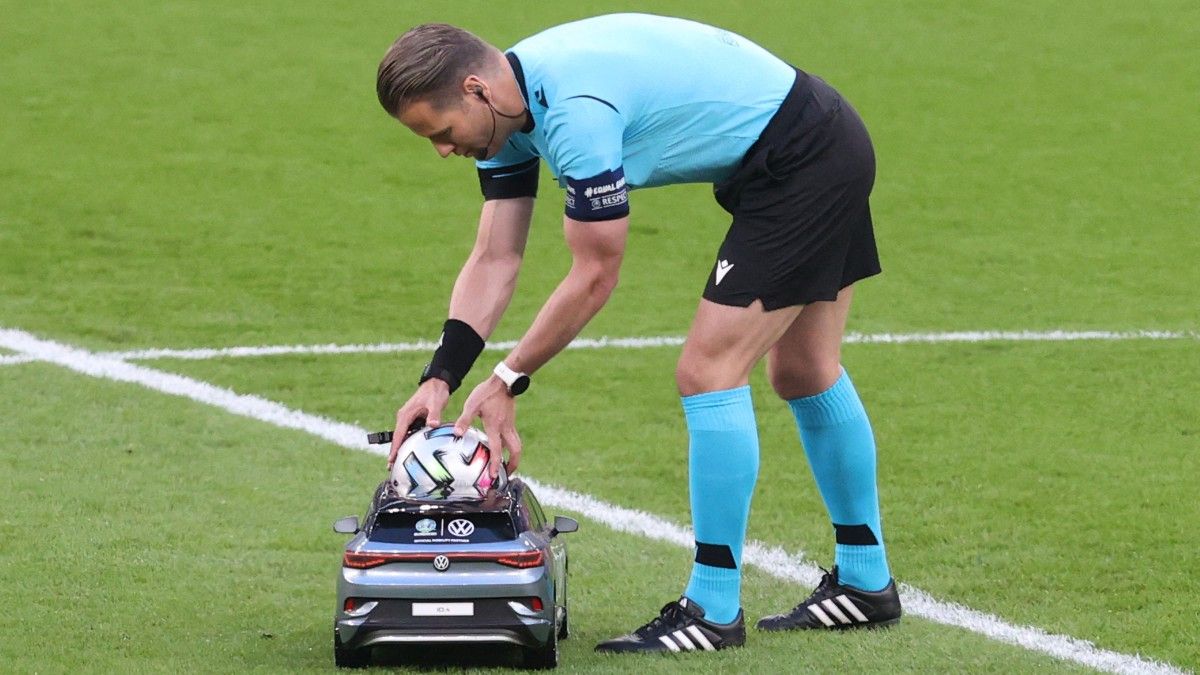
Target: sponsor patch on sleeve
601 197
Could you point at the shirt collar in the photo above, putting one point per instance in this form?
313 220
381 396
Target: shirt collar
520 73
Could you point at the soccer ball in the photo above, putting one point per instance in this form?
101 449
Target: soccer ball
434 464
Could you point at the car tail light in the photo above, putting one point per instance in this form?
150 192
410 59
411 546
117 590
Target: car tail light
359 606
536 603
363 561
520 559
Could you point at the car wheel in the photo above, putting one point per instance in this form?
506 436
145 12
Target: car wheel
350 658
544 657
564 628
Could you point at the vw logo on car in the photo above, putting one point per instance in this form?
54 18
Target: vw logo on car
441 563
460 527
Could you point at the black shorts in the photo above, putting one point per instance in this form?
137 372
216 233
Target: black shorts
801 227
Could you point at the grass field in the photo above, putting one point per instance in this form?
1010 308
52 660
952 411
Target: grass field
187 175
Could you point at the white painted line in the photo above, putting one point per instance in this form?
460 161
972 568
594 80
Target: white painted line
382 348
81 361
273 350
632 343
6 360
1017 336
774 560
794 568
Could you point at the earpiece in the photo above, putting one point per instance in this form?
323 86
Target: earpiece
478 91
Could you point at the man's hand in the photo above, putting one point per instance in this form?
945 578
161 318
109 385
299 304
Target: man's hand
490 402
428 402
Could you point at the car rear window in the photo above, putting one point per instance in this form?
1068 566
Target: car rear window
398 527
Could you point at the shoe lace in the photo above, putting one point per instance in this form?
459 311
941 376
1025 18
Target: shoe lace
828 582
671 614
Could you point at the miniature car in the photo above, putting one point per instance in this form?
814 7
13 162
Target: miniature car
445 556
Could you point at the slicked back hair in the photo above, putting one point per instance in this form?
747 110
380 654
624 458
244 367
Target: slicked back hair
427 63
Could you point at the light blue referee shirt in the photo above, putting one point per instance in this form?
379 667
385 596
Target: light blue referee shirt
634 100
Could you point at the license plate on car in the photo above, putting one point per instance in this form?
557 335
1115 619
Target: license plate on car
443 609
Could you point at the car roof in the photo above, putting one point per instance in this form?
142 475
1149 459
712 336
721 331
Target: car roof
496 500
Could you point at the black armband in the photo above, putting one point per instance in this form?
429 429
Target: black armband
456 352
604 196
508 182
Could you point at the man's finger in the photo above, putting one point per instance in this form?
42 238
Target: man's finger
393 452
513 443
434 409
495 444
403 419
463 421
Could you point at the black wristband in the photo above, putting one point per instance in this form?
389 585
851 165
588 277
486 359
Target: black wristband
457 350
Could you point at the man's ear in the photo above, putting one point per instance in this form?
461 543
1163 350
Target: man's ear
472 85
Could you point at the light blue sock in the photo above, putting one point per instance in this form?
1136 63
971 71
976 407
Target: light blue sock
840 446
722 469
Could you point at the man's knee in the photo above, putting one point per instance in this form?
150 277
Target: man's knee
807 378
695 374
689 376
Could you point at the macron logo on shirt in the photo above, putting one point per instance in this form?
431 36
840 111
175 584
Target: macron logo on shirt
723 267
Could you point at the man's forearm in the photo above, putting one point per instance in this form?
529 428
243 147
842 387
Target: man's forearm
487 280
597 249
482 293
577 299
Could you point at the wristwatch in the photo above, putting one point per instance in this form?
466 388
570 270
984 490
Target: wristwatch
516 382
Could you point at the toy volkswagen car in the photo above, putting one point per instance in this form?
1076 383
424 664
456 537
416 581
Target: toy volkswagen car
444 556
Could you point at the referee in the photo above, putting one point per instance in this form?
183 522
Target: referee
626 101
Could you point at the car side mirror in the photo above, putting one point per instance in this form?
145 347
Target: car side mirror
347 525
563 525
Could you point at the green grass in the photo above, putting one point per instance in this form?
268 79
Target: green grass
146 533
1032 171
1059 484
218 174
